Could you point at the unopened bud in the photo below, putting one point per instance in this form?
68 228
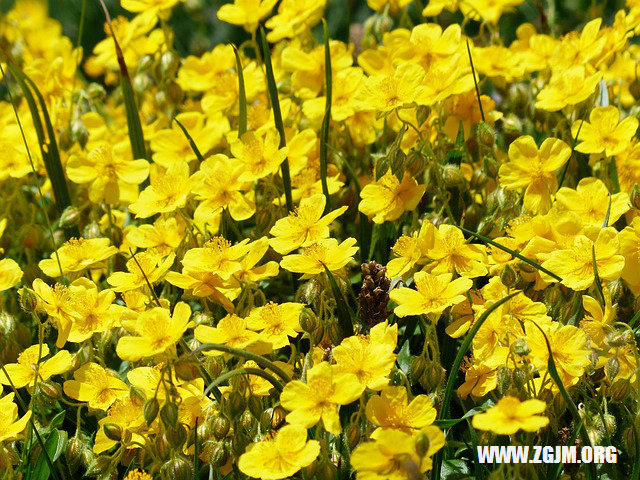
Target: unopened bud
150 410
504 379
177 469
112 431
70 217
50 389
185 370
422 443
28 299
176 436
520 347
255 406
215 454
620 390
236 404
169 414
221 427
353 435
612 368
278 417
509 276
452 176
308 320
486 136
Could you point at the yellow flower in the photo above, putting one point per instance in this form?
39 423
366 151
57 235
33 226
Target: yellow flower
451 254
246 13
318 398
326 252
305 226
137 6
630 250
95 385
464 108
276 323
394 5
510 415
10 274
77 254
91 311
410 251
596 322
260 155
449 77
384 93
148 266
369 357
107 169
435 7
489 10
393 454
231 331
57 303
168 191
165 235
126 413
217 186
568 346
10 425
293 18
203 73
391 409
217 256
575 264
387 198
590 200
279 457
157 331
567 87
534 169
23 373
604 132
138 475
433 295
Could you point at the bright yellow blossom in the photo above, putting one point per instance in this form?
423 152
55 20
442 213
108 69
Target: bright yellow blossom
324 253
168 191
276 323
76 255
604 132
95 385
260 155
391 409
387 198
246 13
433 295
23 373
567 87
510 415
10 425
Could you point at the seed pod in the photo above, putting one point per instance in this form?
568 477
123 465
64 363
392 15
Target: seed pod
612 368
150 410
256 406
610 424
50 389
112 431
519 378
214 453
73 452
79 133
176 436
169 63
169 414
417 366
620 390
422 443
504 379
91 230
327 471
353 435
308 320
70 217
221 427
236 404
177 468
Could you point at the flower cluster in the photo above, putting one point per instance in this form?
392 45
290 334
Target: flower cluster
303 257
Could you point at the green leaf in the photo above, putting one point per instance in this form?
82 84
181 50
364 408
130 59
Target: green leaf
277 117
324 134
53 448
528 261
455 469
192 143
136 136
242 96
448 393
450 422
345 315
475 82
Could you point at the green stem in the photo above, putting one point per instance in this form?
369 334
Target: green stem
244 371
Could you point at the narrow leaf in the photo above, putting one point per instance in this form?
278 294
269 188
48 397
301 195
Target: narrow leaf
53 448
192 143
277 117
242 96
324 135
475 82
448 393
136 136
528 261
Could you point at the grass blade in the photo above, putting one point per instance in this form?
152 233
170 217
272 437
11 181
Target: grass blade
136 137
553 373
242 96
597 276
344 312
448 393
528 261
277 117
192 143
324 134
475 82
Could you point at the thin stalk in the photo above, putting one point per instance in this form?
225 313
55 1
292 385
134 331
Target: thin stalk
324 135
244 371
242 96
277 117
475 82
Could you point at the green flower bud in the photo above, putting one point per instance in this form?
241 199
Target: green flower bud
150 410
423 443
70 217
112 431
28 299
221 427
176 436
177 468
504 379
169 414
612 368
620 390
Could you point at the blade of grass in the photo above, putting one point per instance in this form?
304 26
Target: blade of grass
136 136
46 140
196 454
475 82
528 261
553 373
259 359
596 275
33 169
448 392
277 117
244 371
242 96
345 315
326 120
563 174
192 143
